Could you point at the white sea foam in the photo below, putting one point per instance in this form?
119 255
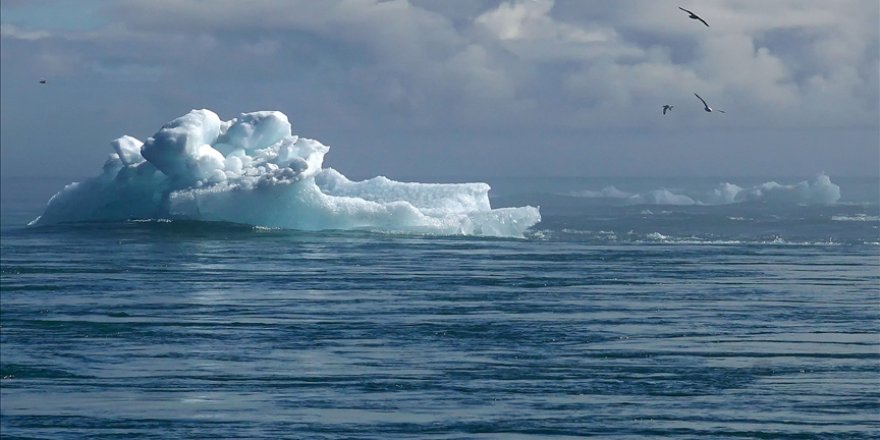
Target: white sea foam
816 191
253 170
656 237
599 235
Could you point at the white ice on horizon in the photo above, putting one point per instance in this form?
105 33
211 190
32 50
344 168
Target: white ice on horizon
816 191
253 170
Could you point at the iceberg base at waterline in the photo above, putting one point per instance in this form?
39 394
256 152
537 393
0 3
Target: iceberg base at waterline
253 170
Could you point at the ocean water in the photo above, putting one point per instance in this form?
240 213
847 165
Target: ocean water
610 319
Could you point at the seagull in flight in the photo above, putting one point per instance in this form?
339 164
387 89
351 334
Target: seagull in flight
706 106
694 16
667 107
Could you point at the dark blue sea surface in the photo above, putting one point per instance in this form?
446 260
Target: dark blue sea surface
610 319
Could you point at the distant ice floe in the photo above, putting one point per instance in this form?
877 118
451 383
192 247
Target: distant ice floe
253 170
816 191
856 218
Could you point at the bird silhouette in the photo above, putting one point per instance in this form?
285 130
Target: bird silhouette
667 107
694 16
42 81
706 106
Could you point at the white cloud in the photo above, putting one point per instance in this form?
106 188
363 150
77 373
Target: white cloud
562 57
11 31
511 64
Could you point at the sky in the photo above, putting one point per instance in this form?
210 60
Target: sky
457 88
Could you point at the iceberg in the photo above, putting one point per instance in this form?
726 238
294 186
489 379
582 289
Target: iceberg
254 170
819 190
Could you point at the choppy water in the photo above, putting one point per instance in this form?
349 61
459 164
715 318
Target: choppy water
610 320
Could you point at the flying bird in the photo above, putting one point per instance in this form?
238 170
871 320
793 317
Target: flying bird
706 106
42 81
667 107
694 16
